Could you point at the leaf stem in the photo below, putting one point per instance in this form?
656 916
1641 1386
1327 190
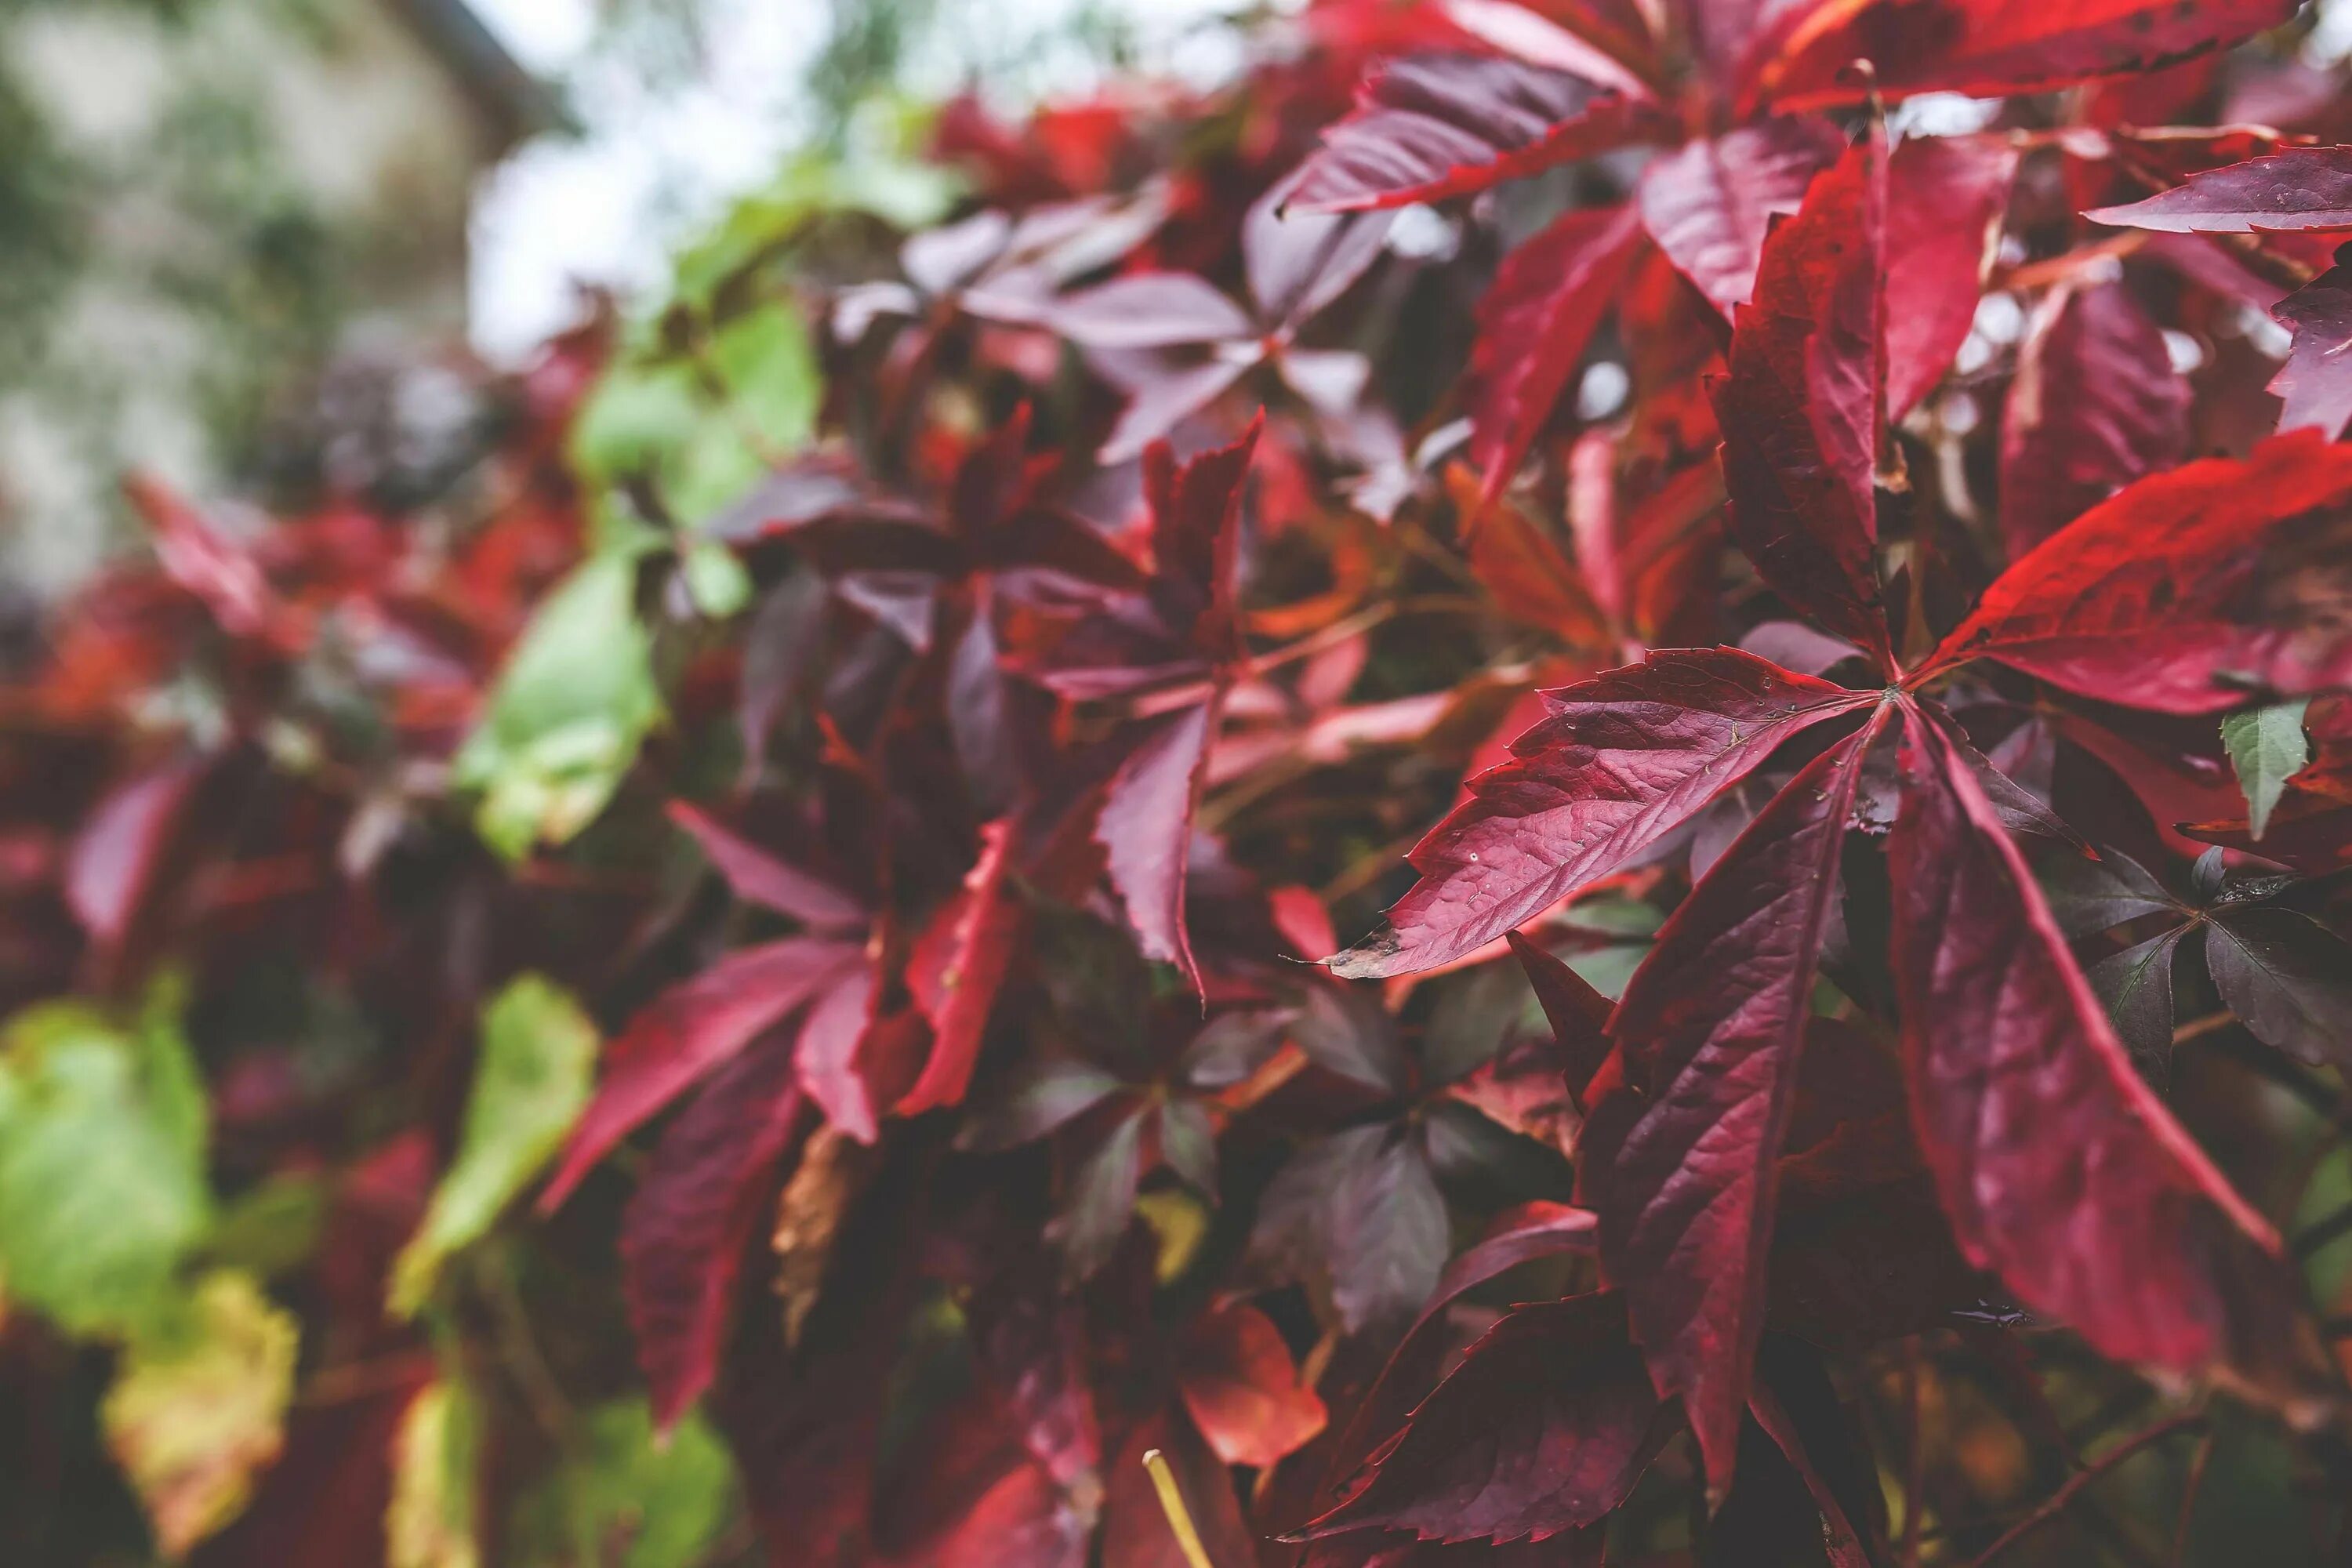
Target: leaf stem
1171 1503
2057 1501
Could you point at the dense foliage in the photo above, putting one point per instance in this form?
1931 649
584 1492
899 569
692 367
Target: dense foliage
740 983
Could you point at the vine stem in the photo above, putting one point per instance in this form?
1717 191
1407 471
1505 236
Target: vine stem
2057 1501
1171 1503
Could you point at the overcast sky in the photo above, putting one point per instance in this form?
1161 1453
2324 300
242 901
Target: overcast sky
608 206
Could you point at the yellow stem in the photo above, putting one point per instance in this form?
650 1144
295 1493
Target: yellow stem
1171 1503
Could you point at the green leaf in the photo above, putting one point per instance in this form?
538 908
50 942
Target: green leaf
431 1520
574 703
718 582
764 358
2267 747
102 1189
636 416
535 1072
668 1502
197 1409
272 1229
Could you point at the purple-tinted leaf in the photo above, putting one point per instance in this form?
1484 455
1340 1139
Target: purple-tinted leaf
1545 1427
1547 298
110 869
687 1031
683 1236
1681 1162
2315 383
2295 190
1803 409
1166 400
1149 310
758 877
1623 760
2135 986
833 1059
2287 978
1360 1210
1345 1030
2060 1169
1945 198
940 259
1710 203
1146 827
1443 125
1196 538
1049 1094
1100 1200
2094 406
1297 261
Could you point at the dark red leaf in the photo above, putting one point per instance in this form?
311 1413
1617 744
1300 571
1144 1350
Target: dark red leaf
2094 406
684 1234
1803 408
1547 298
1443 125
686 1031
956 964
2315 383
1029 1339
2295 190
1985 48
1681 1162
1710 204
1236 1377
2187 590
221 572
1624 759
758 877
1577 1013
1195 537
1545 1427
2060 1168
1146 828
1798 1409
1529 576
2287 978
1946 198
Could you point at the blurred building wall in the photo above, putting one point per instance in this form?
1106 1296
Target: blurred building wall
204 202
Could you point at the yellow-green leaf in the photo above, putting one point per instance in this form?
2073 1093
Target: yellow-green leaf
623 1498
431 1520
535 1070
197 1410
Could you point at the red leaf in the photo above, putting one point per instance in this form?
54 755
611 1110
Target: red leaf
2295 190
1579 1015
2187 589
1710 204
1195 537
758 878
1986 49
1682 1162
1624 759
1146 827
1547 298
1236 1377
2060 1168
1946 198
1135 1532
682 1235
111 870
687 1031
2316 380
219 570
1029 1338
1545 1427
2095 404
958 963
1803 407
1529 578
1444 125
